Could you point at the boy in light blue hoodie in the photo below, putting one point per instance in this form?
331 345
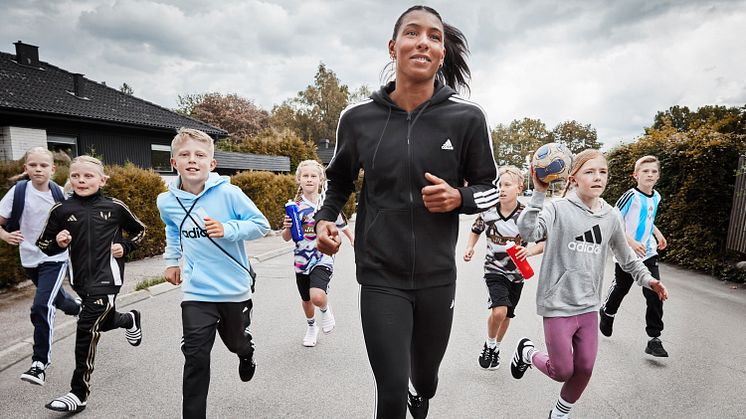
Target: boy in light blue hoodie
207 220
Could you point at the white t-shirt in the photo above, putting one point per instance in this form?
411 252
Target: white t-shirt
34 219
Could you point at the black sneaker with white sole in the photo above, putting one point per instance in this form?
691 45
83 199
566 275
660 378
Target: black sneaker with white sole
35 374
134 334
418 406
518 366
605 323
489 359
246 368
68 403
655 348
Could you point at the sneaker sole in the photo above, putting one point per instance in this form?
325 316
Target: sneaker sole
326 332
649 352
32 380
309 345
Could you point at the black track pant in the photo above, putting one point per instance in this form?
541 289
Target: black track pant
98 314
406 334
200 321
620 287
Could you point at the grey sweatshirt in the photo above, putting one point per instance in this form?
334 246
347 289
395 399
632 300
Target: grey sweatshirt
575 252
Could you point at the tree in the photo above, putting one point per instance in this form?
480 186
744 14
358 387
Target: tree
576 136
315 111
361 93
231 112
513 143
722 119
126 89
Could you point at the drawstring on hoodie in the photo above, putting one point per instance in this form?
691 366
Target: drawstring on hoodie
383 131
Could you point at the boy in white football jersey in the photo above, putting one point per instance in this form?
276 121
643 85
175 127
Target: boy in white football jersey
639 206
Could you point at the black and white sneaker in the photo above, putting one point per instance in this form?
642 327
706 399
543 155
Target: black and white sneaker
67 403
605 323
246 368
518 365
418 406
35 374
655 348
489 359
134 334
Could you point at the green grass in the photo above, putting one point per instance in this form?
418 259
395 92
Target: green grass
149 282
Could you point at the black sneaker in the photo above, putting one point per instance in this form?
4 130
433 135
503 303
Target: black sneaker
68 403
246 368
134 334
518 366
489 359
655 348
606 322
35 374
418 406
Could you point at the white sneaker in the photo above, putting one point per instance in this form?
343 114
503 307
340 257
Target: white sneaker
312 334
327 320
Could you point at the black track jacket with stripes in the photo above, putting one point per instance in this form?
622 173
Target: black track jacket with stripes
398 242
95 222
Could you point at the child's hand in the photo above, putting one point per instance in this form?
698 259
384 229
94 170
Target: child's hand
522 253
287 223
639 248
64 238
662 242
173 275
327 237
659 289
117 250
539 186
469 253
15 238
214 228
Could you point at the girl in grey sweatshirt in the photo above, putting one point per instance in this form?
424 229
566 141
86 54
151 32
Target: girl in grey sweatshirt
580 229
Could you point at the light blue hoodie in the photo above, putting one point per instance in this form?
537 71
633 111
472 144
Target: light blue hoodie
207 273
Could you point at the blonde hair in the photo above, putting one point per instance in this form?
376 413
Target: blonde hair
311 163
646 159
185 134
580 159
513 171
90 160
24 159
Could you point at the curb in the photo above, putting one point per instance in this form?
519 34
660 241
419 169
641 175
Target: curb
22 349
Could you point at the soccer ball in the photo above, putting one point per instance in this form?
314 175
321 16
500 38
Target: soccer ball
552 162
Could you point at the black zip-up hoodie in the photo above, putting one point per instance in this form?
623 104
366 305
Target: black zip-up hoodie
95 222
398 242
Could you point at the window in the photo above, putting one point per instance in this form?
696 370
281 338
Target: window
64 143
160 158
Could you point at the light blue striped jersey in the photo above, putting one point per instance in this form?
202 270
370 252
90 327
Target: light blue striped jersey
638 213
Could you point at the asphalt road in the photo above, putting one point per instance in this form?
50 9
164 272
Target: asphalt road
704 377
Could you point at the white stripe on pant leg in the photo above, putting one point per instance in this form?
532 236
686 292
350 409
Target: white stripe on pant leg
52 309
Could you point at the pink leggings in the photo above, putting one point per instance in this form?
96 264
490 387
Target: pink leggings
572 345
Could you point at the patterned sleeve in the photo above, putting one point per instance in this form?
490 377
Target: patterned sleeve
478 226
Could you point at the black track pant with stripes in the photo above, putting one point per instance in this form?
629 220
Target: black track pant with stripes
97 315
406 334
200 321
620 287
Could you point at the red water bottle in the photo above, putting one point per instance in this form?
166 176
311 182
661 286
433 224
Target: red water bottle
523 266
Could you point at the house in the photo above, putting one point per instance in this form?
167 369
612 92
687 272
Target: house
325 151
44 105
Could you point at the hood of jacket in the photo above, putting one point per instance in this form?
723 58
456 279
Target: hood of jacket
573 198
441 93
213 180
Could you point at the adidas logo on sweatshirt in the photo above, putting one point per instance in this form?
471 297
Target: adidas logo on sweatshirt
588 242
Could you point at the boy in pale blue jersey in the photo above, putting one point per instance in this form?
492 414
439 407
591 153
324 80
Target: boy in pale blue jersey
638 207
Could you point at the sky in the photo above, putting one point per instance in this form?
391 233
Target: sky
610 64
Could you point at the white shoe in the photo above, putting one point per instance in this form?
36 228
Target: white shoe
312 334
327 320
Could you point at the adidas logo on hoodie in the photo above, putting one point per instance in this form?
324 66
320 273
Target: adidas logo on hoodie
588 242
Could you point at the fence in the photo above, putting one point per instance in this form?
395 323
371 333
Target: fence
737 228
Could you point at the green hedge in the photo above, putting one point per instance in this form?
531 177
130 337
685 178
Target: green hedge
698 169
12 272
269 192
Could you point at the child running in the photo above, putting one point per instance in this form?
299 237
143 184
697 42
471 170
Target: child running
23 211
207 220
503 280
580 229
91 225
639 206
313 269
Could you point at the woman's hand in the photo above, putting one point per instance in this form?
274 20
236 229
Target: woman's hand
440 196
327 237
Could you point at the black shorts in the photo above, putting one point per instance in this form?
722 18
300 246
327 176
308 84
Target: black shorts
503 292
318 278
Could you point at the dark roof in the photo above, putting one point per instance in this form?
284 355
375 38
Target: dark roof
246 161
325 154
47 89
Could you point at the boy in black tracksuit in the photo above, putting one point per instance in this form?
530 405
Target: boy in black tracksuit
91 225
405 254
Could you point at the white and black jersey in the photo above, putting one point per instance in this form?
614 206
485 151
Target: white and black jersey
499 231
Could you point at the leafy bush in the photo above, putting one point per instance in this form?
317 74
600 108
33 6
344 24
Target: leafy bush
269 192
12 272
274 142
139 188
698 169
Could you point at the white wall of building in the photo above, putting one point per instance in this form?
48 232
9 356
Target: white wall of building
14 141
